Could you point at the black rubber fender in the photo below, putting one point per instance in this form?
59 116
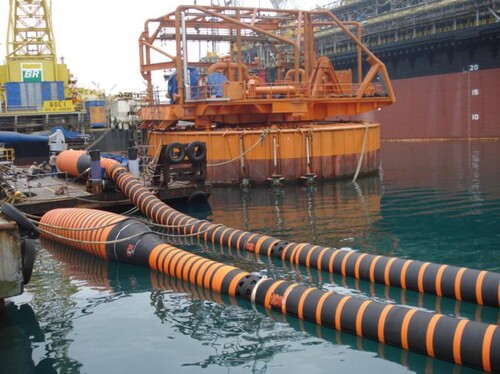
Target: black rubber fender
196 151
20 218
197 197
175 153
28 254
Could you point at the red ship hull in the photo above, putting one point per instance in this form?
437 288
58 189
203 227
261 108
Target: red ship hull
446 106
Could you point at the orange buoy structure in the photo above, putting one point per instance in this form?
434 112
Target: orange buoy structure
323 150
118 238
477 286
274 83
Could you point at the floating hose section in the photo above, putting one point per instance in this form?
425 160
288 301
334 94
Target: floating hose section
123 239
118 238
476 286
73 162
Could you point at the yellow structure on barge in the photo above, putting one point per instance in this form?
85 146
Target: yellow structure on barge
36 90
270 108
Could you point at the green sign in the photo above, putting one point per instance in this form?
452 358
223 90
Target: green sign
31 72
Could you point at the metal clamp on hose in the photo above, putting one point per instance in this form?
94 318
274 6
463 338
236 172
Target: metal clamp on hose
245 287
254 290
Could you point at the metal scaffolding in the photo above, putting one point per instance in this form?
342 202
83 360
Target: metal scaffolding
29 32
270 71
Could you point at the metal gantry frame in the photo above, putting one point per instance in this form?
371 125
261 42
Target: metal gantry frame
305 86
29 33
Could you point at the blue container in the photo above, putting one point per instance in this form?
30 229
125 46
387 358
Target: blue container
92 103
31 95
13 92
52 91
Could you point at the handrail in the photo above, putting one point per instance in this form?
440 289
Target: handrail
286 90
7 154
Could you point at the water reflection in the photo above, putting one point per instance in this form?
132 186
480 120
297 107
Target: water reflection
431 202
278 269
442 200
55 312
19 331
238 334
437 203
330 214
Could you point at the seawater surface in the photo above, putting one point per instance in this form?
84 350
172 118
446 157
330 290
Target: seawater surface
436 202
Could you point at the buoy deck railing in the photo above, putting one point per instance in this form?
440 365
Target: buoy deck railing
477 286
118 238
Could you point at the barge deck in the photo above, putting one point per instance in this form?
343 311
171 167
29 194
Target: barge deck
38 195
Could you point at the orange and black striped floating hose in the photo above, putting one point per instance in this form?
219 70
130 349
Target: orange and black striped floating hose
481 287
118 238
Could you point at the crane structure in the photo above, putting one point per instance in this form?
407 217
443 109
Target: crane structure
35 89
29 33
282 4
31 50
271 73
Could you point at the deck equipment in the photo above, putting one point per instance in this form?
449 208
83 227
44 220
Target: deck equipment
270 73
270 106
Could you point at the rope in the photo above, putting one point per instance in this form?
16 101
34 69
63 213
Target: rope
154 224
69 228
360 161
130 211
98 139
94 242
82 173
187 235
12 197
100 201
32 217
111 224
261 138
150 167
